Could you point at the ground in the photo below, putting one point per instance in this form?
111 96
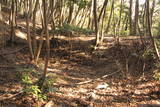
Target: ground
115 75
84 77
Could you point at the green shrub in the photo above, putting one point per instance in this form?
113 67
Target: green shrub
29 79
35 92
67 28
157 74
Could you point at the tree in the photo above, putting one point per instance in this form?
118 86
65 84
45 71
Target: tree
1 11
96 22
119 21
12 21
136 18
102 14
28 29
150 31
110 16
130 18
42 79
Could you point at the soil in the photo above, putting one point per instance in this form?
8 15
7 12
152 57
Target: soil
85 78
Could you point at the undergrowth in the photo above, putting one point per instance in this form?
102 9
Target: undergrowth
29 78
67 28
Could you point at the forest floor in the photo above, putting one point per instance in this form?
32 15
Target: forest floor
113 75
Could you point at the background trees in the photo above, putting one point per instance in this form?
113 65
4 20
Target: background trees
81 13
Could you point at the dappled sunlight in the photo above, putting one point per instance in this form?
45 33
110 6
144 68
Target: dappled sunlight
21 34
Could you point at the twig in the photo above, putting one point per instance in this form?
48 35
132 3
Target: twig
92 80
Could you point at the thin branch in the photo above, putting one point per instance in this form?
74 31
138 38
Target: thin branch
97 79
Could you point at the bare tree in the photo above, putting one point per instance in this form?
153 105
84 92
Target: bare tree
42 79
150 31
96 22
130 17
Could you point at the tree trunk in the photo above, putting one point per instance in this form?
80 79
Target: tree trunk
150 32
119 21
152 11
103 9
28 29
90 20
12 22
71 7
1 11
136 18
34 27
96 22
130 17
42 79
110 16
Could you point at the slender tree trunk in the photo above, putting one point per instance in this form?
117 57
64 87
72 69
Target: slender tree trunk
90 22
1 11
103 9
136 18
119 21
102 25
34 27
71 7
152 11
96 23
150 31
41 81
144 20
110 17
28 29
16 12
130 17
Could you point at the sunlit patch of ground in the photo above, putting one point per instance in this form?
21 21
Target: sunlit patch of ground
79 71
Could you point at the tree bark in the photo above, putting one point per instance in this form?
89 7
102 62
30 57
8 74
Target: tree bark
12 21
28 29
130 17
96 22
34 27
136 18
103 9
150 32
42 79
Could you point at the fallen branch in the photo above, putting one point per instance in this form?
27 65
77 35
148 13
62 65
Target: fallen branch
92 80
12 52
11 96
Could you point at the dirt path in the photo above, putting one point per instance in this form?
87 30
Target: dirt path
84 78
82 83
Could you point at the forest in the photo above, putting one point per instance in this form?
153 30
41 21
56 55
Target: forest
79 53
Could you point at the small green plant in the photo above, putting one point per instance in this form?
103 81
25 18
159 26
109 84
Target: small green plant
29 78
36 92
148 54
26 79
157 74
